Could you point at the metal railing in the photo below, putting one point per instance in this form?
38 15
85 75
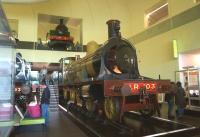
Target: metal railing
35 46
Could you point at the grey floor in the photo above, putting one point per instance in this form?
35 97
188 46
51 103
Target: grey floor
61 126
186 119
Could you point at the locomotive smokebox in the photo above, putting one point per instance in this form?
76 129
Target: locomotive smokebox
113 28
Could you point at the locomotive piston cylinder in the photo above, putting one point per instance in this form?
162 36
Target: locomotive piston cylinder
126 90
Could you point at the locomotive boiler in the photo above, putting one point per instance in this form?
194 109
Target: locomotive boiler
107 82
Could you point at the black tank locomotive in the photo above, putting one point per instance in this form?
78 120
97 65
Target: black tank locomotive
108 81
60 39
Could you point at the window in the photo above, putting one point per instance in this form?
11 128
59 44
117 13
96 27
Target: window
156 13
196 1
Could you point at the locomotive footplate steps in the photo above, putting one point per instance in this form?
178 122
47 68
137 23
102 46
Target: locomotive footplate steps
133 125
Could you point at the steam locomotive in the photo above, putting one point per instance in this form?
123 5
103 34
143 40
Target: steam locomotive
60 39
22 81
107 82
23 69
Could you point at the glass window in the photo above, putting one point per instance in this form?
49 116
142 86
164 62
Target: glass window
156 13
196 1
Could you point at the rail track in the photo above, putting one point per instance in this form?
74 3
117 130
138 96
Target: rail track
133 125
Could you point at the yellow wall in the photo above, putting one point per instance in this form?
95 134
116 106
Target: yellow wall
137 10
46 56
13 25
178 6
187 36
156 54
155 57
27 20
94 13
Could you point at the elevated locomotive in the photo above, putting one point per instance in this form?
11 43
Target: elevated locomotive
60 39
108 81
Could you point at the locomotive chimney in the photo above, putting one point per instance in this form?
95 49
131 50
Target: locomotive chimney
113 28
61 21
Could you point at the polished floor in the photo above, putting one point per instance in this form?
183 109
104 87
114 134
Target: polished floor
61 126
188 118
191 118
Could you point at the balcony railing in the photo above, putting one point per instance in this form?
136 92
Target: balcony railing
35 46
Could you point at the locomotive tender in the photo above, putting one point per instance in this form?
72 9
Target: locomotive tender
108 81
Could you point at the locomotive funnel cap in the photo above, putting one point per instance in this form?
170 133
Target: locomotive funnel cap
61 21
113 28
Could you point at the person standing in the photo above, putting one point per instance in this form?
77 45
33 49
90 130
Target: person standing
156 105
180 99
45 100
43 74
170 99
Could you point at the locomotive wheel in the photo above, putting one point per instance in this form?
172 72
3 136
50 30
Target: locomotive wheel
73 96
65 94
112 108
147 112
78 100
89 104
26 89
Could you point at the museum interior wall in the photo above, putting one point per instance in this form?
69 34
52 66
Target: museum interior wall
155 53
94 14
